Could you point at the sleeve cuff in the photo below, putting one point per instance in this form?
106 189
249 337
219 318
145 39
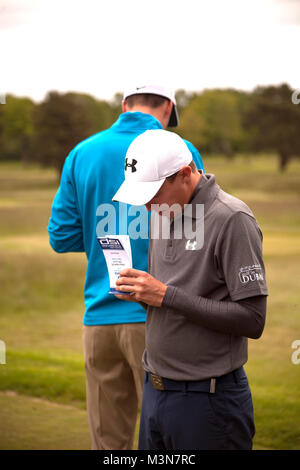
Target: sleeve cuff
169 296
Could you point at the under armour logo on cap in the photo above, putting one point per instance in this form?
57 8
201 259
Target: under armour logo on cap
160 154
130 165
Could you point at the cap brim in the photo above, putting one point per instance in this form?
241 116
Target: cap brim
174 119
137 193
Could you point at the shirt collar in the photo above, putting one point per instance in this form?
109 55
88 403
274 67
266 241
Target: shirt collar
204 193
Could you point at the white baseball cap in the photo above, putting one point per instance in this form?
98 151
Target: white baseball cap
150 159
156 90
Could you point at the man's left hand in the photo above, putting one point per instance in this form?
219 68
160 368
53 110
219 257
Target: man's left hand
145 287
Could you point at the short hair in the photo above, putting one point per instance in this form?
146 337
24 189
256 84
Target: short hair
191 165
145 99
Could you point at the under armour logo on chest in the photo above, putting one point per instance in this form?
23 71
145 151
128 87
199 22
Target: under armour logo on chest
190 245
130 165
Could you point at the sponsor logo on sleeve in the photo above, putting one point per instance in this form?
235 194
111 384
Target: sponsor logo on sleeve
251 274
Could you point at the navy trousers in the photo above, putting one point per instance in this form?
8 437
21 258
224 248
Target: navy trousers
187 416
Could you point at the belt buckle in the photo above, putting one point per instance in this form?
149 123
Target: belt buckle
212 386
157 382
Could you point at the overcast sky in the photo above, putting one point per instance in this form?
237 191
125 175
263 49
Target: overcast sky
101 47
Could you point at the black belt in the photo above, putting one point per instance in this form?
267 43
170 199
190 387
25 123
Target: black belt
208 385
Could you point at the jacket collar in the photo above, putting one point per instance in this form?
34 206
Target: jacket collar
136 121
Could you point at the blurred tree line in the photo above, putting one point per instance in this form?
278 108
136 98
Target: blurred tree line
219 121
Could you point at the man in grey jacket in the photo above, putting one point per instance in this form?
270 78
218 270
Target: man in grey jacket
205 295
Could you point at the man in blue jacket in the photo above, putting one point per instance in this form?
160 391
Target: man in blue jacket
113 330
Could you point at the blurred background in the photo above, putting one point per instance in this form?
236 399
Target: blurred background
64 65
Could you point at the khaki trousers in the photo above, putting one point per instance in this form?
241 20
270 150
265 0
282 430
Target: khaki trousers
114 382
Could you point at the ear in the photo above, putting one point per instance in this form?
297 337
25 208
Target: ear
124 106
166 108
185 171
169 108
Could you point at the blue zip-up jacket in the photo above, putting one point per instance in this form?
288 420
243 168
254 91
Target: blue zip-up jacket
92 173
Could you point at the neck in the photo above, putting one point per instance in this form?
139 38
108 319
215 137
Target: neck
194 181
154 112
195 178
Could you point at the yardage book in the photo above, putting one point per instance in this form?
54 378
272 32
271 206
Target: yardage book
117 253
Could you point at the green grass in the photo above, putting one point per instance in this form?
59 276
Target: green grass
57 375
33 424
41 309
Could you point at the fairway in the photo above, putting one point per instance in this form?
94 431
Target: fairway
42 383
44 424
